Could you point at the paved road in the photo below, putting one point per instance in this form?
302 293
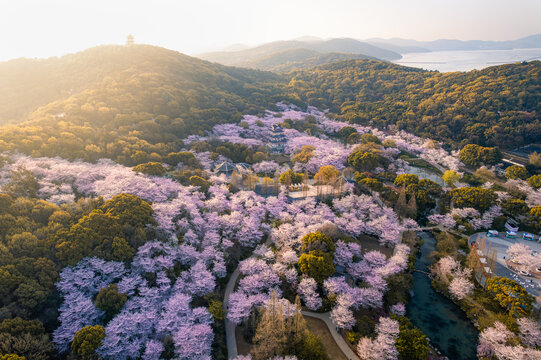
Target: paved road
532 285
326 318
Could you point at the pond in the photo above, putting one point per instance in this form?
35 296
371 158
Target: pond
424 174
438 317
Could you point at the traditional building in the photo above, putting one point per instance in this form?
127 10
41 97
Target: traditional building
225 168
277 139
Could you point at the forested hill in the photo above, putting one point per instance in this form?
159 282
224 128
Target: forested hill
135 104
26 84
497 106
298 59
156 99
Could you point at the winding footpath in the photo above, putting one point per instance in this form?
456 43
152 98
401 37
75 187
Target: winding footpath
231 341
338 339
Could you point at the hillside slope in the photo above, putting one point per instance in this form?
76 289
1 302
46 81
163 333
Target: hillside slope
298 59
159 97
152 98
347 46
497 106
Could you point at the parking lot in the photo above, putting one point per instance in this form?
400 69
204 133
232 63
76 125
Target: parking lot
532 285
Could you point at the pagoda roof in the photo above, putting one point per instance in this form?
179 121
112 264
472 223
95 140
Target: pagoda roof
226 167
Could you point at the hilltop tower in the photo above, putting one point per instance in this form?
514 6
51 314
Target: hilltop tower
130 40
277 139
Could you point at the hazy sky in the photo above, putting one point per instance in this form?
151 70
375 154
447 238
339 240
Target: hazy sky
43 28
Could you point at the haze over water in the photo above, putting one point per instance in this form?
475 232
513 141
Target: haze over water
446 61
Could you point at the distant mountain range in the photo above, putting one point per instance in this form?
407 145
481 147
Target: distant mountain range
404 46
295 52
309 51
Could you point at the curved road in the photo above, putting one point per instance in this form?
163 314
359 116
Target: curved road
230 326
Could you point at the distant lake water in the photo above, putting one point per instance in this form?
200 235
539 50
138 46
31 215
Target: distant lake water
445 61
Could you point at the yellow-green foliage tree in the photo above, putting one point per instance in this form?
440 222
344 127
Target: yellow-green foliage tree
450 177
317 258
326 174
87 340
294 178
304 155
511 296
475 155
534 181
151 168
475 197
516 172
317 264
110 300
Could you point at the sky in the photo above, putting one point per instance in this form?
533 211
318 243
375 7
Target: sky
44 28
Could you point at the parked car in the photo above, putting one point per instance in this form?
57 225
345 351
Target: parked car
528 236
524 273
492 233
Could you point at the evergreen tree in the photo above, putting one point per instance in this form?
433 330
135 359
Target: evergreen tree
271 336
412 207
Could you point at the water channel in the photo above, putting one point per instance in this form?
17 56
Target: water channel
438 317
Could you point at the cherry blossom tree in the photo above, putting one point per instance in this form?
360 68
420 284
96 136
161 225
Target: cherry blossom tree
307 289
383 346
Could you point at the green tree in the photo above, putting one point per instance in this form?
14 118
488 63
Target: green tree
110 300
87 340
306 153
11 357
185 157
151 168
516 172
534 181
511 296
515 207
130 210
406 180
18 326
363 161
317 265
346 131
369 138
199 181
450 177
411 342
353 138
475 155
475 197
122 251
295 178
22 183
30 294
311 348
216 309
317 241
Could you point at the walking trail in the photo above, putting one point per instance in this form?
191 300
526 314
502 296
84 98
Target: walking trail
232 351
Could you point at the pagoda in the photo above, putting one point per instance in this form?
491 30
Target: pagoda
277 139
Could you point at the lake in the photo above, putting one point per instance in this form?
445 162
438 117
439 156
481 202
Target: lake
446 61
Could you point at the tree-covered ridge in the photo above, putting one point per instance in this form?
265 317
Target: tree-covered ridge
149 105
497 106
298 59
26 84
135 104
